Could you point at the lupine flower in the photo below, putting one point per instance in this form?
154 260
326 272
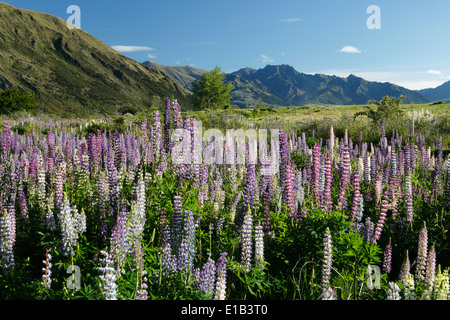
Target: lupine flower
381 219
422 253
393 291
246 239
327 260
345 177
409 196
169 263
47 271
118 248
108 277
186 249
221 279
326 199
368 229
356 196
387 257
288 194
409 288
177 221
7 239
137 218
206 278
23 203
405 269
141 289
430 272
71 224
259 246
315 171
6 140
441 288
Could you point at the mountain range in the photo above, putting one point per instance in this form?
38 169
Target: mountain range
282 85
71 71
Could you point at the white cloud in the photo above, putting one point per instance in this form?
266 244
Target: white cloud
283 53
290 20
266 59
350 49
435 72
151 56
177 62
131 48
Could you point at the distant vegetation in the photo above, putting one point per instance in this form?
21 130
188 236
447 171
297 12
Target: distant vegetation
15 100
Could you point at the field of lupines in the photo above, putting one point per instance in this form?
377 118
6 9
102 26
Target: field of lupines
109 215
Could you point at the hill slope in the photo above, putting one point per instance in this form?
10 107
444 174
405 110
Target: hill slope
439 93
70 70
184 76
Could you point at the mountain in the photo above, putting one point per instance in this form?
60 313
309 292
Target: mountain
71 71
439 93
282 85
184 76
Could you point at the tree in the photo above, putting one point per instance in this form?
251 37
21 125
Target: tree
211 91
14 100
385 109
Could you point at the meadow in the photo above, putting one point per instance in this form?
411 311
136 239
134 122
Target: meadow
97 208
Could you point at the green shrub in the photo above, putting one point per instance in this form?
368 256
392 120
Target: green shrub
15 100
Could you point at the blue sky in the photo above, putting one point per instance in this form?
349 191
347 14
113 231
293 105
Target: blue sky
410 49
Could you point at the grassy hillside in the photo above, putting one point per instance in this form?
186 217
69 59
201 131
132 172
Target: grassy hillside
72 72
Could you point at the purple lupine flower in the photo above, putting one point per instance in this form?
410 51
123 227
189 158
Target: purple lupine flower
168 261
327 259
177 122
422 253
405 269
345 177
177 221
288 192
206 278
221 279
387 257
246 239
382 217
409 196
186 250
315 171
430 272
58 189
50 145
259 246
356 196
327 202
23 203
